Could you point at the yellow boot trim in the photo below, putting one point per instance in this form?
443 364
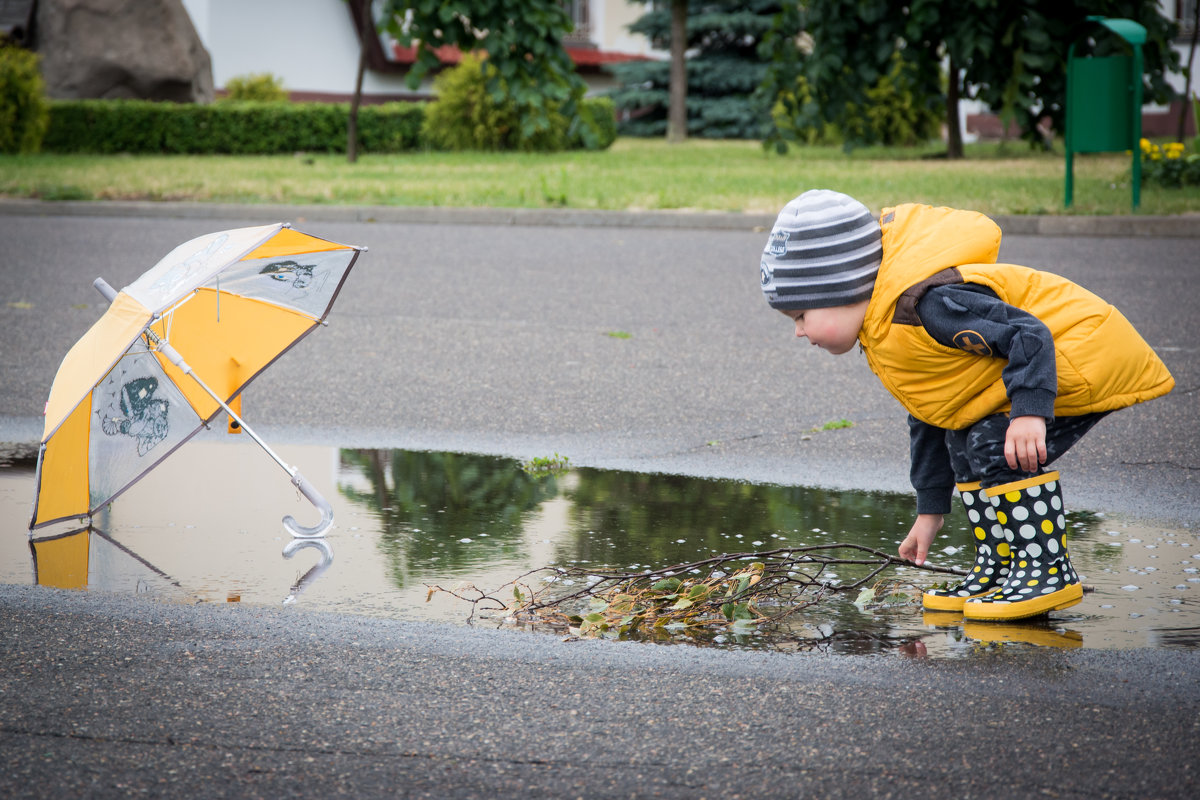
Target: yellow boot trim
1015 486
937 602
968 487
941 602
1023 609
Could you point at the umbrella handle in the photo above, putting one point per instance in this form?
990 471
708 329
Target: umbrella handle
314 497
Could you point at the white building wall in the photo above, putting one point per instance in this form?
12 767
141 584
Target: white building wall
610 25
311 44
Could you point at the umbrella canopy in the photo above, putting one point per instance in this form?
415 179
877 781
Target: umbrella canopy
172 351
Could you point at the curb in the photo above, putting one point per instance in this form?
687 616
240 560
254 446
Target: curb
1180 226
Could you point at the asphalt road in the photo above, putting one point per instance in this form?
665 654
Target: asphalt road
490 337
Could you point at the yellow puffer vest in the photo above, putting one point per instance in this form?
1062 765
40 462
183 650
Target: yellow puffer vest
1103 363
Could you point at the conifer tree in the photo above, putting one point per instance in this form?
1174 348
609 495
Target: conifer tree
723 65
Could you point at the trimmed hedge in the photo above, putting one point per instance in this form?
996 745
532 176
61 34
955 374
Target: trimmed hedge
142 126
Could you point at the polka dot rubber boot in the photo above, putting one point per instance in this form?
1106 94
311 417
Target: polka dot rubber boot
992 555
1040 578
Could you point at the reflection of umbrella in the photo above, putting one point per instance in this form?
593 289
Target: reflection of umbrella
175 348
314 572
88 558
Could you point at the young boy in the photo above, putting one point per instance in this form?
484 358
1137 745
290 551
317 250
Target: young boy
1002 368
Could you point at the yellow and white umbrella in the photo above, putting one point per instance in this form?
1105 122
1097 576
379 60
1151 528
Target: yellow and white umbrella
174 349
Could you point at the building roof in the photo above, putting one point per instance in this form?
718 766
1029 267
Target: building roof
584 57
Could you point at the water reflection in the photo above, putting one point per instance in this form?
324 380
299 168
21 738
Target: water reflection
88 558
443 511
409 520
322 546
656 520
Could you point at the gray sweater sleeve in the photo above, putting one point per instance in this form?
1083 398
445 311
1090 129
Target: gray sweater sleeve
929 468
971 317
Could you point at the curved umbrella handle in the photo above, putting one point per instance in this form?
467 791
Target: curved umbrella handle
314 497
318 569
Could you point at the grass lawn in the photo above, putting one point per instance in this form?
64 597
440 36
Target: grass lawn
634 174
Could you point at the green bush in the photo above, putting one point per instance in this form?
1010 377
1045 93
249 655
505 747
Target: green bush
23 112
140 126
466 116
245 127
597 128
894 114
262 87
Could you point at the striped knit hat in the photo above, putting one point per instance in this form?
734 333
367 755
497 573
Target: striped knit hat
824 251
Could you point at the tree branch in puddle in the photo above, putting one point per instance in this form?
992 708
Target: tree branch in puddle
738 591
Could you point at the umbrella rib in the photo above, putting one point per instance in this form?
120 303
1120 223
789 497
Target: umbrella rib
298 480
168 351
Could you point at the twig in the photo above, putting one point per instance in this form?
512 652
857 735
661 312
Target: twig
718 590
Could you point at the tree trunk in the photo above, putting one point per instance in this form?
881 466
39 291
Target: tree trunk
954 140
1187 81
677 113
367 28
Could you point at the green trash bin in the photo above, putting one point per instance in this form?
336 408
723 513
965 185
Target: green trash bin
1104 103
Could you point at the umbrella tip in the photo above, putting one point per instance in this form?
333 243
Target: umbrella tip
103 287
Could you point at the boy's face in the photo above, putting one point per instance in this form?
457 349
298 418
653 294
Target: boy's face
834 330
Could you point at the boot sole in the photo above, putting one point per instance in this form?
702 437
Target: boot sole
939 602
1023 609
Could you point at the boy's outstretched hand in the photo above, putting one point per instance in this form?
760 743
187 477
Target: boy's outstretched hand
916 545
1025 443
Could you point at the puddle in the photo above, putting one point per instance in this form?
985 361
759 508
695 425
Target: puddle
205 527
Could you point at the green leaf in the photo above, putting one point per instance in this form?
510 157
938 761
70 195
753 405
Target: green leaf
864 597
621 604
741 612
666 585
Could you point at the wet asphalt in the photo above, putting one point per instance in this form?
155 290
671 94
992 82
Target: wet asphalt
621 341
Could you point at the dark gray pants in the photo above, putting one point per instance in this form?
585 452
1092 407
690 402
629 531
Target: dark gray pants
977 452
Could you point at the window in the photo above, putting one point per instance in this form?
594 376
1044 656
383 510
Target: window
577 10
1185 15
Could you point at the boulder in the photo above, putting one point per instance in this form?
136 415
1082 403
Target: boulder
144 49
